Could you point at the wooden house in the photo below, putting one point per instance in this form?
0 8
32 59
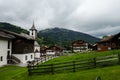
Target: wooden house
43 51
54 51
109 43
80 46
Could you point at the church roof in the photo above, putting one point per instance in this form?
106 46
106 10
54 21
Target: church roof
33 27
36 44
4 35
15 35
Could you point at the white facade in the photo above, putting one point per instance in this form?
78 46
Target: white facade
33 33
37 55
50 52
81 48
5 50
24 57
37 49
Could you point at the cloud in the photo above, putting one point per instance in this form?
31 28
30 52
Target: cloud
95 17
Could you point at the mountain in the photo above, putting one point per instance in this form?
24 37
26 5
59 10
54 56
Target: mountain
64 37
53 36
13 28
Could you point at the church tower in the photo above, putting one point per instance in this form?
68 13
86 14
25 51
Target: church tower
33 31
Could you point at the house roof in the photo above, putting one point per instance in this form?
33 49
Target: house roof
4 35
79 43
22 35
36 44
56 48
108 38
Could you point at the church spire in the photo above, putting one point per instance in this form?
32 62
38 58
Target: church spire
33 27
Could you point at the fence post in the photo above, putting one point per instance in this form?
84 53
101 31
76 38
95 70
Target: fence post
118 58
74 66
29 72
94 61
52 69
98 78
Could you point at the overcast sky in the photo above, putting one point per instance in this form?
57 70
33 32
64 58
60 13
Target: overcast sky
95 17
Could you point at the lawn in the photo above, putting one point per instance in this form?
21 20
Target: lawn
79 56
9 72
106 73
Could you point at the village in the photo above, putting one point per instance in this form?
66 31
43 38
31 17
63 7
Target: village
59 40
21 48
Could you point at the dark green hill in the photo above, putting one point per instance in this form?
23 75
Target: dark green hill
13 28
64 37
53 36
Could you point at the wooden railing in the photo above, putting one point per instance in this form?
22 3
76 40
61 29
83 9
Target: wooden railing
15 59
74 66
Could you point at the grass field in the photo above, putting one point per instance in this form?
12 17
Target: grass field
106 73
18 73
78 56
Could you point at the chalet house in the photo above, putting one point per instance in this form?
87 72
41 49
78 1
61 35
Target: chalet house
43 51
5 47
109 43
54 51
80 46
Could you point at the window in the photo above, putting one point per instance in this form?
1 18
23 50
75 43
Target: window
8 54
25 57
31 56
1 58
9 44
32 32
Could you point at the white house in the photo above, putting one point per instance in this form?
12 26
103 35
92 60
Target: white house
5 48
54 51
80 46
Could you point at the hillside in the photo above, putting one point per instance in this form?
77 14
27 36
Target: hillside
13 28
64 37
53 36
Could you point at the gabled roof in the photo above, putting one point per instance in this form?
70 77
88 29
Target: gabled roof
17 35
56 48
109 38
79 41
8 36
36 44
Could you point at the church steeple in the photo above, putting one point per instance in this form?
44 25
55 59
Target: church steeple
33 27
33 31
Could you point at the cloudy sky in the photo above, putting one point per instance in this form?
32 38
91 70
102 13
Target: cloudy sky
95 17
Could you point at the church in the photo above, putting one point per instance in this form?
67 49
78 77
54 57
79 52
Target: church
18 48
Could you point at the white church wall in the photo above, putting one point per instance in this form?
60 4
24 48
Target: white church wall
25 57
3 52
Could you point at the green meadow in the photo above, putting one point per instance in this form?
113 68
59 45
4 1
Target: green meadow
106 73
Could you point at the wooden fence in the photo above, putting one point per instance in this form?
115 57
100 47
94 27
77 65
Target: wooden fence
74 66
